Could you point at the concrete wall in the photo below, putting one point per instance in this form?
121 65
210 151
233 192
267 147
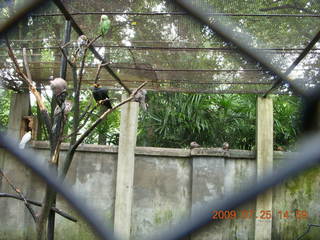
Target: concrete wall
169 184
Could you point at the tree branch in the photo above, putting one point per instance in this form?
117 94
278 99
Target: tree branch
66 57
73 148
17 190
32 88
98 73
87 114
38 204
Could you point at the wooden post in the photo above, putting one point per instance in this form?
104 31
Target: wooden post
264 141
125 169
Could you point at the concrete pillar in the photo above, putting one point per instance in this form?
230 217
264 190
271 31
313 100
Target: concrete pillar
125 169
13 226
207 185
264 141
19 107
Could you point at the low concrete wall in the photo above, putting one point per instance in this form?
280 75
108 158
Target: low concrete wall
169 184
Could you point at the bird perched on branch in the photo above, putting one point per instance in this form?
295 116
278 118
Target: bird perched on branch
101 95
140 97
68 107
104 24
82 42
59 88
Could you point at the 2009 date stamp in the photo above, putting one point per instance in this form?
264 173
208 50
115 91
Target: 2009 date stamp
262 214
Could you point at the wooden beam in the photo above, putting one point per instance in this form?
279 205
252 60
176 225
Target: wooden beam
125 169
264 141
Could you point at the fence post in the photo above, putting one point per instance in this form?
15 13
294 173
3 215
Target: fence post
125 169
264 141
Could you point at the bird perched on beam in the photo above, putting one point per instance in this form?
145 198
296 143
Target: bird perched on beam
101 95
140 97
225 146
59 88
104 24
194 145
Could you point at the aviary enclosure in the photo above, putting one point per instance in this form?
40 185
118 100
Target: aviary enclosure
166 119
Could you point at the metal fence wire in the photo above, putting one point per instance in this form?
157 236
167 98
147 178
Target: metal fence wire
309 155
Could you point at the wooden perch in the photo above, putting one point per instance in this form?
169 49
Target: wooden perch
38 204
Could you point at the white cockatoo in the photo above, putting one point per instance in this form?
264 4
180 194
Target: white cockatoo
25 139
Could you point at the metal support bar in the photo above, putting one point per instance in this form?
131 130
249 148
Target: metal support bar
66 39
295 63
76 27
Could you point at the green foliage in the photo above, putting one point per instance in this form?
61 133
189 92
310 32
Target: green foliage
5 108
286 121
175 120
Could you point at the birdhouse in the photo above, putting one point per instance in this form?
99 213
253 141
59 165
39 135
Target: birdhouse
29 123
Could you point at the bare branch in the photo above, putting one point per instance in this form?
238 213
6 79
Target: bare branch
81 69
87 114
17 190
98 73
26 65
32 88
66 57
73 148
38 204
93 40
65 45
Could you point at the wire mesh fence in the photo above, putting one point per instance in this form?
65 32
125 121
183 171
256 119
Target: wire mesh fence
143 58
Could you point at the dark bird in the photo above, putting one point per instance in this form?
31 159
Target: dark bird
101 95
225 146
194 145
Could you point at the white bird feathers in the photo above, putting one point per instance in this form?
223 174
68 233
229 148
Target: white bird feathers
25 139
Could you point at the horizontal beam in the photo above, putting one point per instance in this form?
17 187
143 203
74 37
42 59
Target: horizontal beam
180 14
